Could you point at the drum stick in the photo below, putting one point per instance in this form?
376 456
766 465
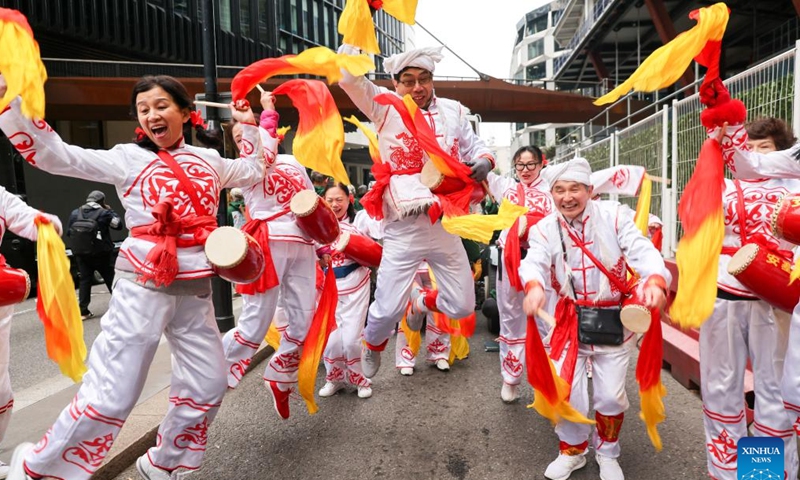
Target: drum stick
259 88
659 179
485 186
212 104
546 317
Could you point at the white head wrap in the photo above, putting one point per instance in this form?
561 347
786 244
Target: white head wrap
424 58
575 170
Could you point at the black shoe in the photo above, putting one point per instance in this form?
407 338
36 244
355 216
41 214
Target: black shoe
87 315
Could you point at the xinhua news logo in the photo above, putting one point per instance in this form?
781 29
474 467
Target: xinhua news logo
760 458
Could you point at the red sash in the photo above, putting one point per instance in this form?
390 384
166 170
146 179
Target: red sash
259 229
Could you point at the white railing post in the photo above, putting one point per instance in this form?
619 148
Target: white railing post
673 200
796 104
665 187
612 148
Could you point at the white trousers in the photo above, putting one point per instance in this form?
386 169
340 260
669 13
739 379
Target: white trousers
610 367
437 346
790 384
77 443
6 395
294 265
407 243
343 351
736 331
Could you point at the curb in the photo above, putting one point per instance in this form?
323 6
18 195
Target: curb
121 461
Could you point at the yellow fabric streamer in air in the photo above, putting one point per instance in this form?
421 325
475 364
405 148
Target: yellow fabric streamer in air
273 337
642 217
372 138
21 64
481 227
358 29
56 304
667 64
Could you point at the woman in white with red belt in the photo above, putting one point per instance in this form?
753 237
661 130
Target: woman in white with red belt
343 352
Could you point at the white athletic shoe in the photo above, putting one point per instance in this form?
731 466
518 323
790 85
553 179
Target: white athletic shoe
370 361
406 371
364 392
563 466
443 365
330 389
609 468
509 393
16 469
4 469
148 471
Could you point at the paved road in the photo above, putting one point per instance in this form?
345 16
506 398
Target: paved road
30 365
432 425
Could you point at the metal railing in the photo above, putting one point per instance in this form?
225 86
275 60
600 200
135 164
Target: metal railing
600 8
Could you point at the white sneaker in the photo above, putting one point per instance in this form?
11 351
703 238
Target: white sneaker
563 466
609 468
16 469
364 392
330 389
370 361
4 469
509 393
418 308
148 471
442 365
407 371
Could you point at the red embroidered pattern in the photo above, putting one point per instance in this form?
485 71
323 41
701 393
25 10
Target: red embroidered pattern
408 157
407 353
284 182
621 178
536 200
24 144
238 368
286 362
554 280
357 379
512 365
454 150
732 142
193 438
336 375
157 183
759 205
89 454
437 346
619 272
723 448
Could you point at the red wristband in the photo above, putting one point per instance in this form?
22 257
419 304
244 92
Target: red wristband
531 285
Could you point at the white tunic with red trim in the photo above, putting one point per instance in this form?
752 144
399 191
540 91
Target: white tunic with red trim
608 231
760 197
537 196
448 119
271 196
141 179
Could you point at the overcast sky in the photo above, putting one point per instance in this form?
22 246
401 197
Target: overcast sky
479 31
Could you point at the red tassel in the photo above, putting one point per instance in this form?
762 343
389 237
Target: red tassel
648 367
512 257
538 365
163 264
259 230
565 332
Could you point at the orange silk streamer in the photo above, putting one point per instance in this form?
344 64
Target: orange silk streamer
322 325
358 29
21 64
56 304
319 140
648 374
372 138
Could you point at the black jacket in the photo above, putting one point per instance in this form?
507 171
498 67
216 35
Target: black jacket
106 220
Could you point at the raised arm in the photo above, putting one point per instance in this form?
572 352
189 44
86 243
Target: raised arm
19 217
250 167
498 185
749 165
361 90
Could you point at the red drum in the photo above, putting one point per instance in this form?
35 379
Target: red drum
634 315
15 285
786 218
234 255
315 217
359 248
766 274
437 182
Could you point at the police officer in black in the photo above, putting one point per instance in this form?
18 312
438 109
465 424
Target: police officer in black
90 239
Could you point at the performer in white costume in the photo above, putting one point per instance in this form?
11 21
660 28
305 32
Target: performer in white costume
170 192
343 352
18 218
533 192
437 342
742 327
410 237
290 276
564 242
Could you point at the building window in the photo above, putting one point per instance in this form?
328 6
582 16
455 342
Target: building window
519 126
326 15
535 49
535 72
244 18
182 7
293 13
263 31
225 15
315 22
536 25
306 31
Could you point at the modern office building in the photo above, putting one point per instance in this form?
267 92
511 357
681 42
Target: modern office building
532 61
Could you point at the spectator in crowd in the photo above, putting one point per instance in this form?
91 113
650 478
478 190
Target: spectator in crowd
236 216
360 192
319 181
89 229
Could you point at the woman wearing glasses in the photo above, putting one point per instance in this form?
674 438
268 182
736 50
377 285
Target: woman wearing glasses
531 191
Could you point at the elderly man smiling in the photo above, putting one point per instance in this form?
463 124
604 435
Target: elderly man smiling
589 246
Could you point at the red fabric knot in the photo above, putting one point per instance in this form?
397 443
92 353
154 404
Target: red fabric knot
376 4
197 119
162 259
139 134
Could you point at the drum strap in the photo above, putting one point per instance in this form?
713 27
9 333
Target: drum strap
740 211
624 290
189 187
